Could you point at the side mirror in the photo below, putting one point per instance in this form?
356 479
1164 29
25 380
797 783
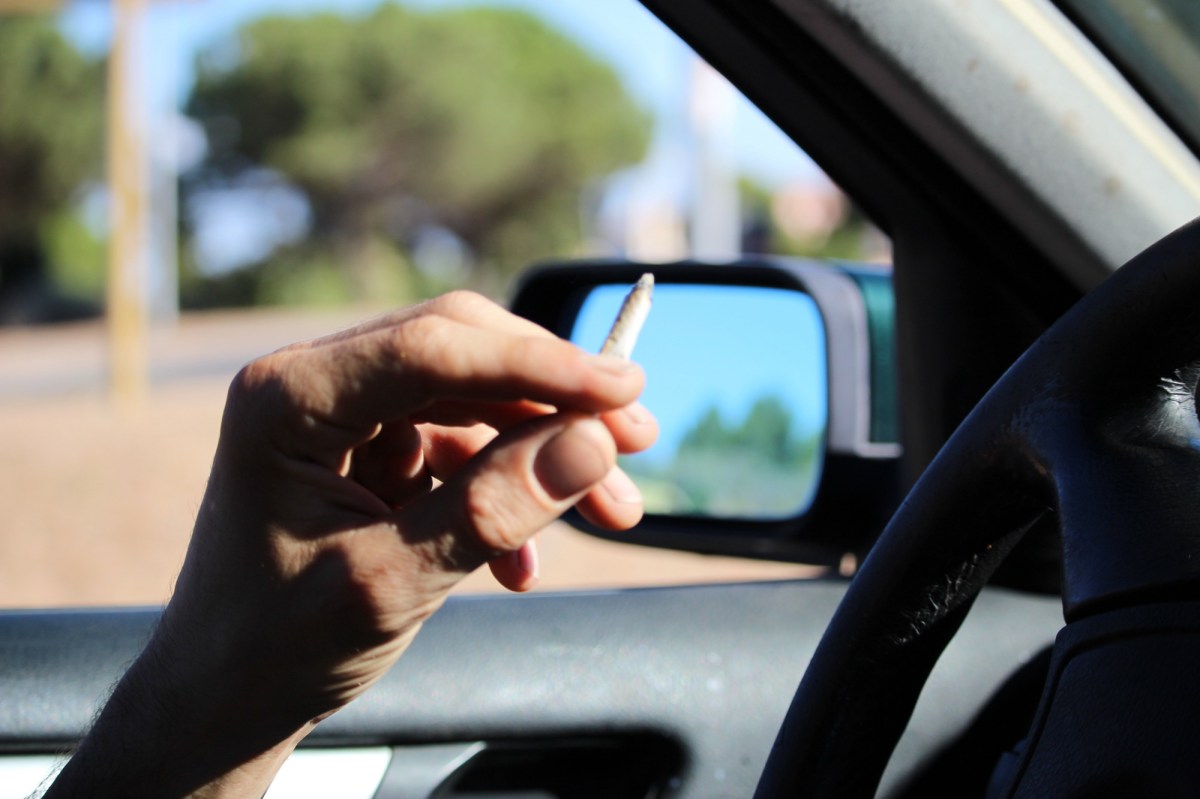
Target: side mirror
774 393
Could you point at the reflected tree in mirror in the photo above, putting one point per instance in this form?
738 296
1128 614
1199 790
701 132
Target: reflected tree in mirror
736 376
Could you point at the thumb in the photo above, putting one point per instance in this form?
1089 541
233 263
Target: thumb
525 479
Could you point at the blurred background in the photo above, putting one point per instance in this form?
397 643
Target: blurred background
185 184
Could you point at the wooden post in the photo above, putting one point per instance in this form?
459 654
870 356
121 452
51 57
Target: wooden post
127 185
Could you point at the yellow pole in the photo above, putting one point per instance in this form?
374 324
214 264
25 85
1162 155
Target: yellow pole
127 185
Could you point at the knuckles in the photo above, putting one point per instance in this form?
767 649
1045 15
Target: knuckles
461 304
266 395
256 392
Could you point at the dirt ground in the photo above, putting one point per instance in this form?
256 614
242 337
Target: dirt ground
97 500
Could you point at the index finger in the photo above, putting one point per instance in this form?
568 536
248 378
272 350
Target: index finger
394 372
462 306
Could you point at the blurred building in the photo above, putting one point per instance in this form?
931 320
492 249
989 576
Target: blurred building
809 211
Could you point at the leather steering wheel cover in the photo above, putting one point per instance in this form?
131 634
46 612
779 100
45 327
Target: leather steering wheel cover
1095 423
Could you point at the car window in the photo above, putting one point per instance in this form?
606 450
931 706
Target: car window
194 184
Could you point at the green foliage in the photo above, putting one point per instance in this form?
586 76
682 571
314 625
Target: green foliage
51 145
308 276
197 292
767 430
760 467
709 432
76 257
482 121
766 433
301 276
51 122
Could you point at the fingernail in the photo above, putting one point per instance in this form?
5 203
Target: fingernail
638 414
527 560
575 459
621 488
612 364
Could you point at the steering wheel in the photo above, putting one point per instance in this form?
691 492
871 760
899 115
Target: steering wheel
1095 424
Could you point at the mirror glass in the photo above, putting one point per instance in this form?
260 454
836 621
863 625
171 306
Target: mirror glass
736 377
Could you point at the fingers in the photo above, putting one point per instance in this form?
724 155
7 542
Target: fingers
456 360
464 413
614 504
516 486
322 401
419 394
463 306
448 448
400 462
633 427
403 370
392 465
517 571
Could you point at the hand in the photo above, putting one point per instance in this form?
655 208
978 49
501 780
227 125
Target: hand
322 545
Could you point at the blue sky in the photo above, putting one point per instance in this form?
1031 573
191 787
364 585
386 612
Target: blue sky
705 346
653 64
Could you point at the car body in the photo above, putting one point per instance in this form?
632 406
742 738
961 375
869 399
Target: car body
1014 167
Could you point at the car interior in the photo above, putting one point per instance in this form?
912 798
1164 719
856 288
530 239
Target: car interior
1003 436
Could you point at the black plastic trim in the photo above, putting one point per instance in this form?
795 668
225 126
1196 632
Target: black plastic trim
710 668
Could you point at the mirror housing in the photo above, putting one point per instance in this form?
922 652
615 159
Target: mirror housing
858 484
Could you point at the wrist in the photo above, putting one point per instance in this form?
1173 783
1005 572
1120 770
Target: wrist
168 731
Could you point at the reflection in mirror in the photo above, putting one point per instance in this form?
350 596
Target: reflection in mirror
736 376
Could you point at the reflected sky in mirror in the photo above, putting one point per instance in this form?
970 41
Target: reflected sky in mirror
725 363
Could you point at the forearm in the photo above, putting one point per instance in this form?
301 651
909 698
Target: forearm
160 737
